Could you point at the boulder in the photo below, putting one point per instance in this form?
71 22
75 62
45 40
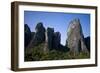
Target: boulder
75 40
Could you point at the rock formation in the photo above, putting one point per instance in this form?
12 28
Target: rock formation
27 35
39 36
75 39
49 37
52 39
45 44
87 42
56 40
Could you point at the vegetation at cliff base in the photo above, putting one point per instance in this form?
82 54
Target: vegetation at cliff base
37 54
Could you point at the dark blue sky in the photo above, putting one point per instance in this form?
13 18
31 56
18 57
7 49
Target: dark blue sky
57 20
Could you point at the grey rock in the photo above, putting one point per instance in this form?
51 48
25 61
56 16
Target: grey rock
75 40
39 36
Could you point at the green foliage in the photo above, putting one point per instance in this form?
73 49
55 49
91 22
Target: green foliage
83 55
37 54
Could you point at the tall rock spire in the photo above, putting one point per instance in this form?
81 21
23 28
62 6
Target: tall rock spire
39 36
75 40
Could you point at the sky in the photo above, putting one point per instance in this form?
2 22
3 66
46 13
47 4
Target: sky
57 20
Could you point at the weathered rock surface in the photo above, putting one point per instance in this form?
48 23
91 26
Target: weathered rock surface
50 38
75 39
39 36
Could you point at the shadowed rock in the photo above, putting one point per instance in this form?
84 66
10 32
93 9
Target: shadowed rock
56 40
52 39
87 42
39 36
75 39
27 35
49 38
32 34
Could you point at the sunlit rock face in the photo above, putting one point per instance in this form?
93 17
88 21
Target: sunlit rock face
75 40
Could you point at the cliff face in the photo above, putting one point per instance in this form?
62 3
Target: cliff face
27 34
45 44
39 36
87 42
75 40
51 39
